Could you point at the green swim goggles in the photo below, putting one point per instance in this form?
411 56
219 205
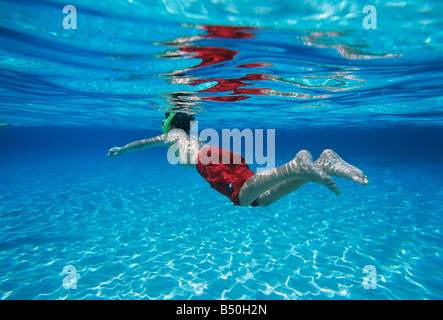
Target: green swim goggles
166 122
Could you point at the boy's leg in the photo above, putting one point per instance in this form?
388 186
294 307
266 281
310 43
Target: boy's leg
279 191
301 167
330 162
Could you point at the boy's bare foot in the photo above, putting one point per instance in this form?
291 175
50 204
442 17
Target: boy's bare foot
304 168
335 166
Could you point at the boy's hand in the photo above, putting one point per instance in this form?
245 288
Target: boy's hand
115 152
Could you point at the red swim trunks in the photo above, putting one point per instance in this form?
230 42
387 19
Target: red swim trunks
226 171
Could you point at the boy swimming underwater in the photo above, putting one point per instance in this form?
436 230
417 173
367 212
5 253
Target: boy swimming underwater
233 178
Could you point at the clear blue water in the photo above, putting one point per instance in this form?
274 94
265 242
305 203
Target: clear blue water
136 227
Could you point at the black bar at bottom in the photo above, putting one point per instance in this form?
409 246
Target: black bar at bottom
198 309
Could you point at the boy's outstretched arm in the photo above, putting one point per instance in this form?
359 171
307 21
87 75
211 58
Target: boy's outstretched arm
138 145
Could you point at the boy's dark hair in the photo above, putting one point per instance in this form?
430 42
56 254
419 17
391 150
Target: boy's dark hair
181 120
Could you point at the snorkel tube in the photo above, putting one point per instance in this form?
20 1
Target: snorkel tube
166 122
3 126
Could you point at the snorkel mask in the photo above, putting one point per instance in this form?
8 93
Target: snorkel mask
165 123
